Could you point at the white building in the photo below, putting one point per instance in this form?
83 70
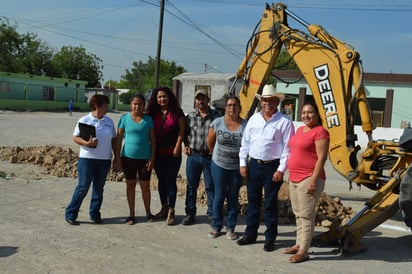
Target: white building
186 84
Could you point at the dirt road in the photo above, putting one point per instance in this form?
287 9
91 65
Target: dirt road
34 238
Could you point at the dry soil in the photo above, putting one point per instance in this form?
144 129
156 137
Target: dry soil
34 238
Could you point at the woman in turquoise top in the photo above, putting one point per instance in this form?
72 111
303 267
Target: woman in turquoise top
135 130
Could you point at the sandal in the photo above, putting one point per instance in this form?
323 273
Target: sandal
298 258
170 220
130 220
231 235
291 250
162 214
150 217
214 233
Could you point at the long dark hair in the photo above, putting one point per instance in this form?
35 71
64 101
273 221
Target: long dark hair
153 107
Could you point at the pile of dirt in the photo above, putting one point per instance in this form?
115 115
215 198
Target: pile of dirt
62 162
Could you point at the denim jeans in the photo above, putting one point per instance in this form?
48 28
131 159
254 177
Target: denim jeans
260 176
195 165
88 171
226 183
167 168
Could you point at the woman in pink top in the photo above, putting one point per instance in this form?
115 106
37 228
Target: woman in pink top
169 126
308 153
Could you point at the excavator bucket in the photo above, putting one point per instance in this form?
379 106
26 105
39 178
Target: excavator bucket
405 197
346 243
347 237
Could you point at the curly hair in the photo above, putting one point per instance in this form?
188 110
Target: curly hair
153 106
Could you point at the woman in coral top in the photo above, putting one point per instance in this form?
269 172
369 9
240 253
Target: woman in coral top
308 153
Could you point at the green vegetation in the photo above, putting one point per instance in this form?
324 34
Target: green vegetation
141 78
27 54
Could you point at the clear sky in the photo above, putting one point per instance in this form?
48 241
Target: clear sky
209 35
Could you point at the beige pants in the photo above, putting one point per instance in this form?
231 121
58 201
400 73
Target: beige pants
304 208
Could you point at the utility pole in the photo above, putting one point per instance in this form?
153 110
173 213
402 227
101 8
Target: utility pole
159 44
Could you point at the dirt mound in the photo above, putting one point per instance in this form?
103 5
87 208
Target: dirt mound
62 162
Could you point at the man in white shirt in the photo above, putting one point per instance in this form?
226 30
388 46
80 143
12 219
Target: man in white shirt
265 144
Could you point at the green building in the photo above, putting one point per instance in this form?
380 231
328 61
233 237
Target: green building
31 92
41 88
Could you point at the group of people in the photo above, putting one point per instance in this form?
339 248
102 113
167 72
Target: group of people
225 149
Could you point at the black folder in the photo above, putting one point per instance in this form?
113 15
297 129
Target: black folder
87 130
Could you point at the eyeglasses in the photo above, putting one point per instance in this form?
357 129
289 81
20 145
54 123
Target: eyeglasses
232 105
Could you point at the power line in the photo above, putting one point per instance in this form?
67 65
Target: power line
348 5
70 17
53 23
195 26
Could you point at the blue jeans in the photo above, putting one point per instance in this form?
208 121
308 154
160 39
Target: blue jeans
195 165
88 171
226 183
167 168
260 177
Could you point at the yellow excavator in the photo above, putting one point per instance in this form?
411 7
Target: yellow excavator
334 73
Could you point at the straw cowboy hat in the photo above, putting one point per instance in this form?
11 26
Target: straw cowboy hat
270 91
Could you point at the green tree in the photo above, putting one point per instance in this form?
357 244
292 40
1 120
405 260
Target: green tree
122 84
126 97
75 63
23 53
140 78
116 84
285 62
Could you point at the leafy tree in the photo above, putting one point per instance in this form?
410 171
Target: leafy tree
140 78
285 62
126 97
116 84
122 84
75 63
23 53
38 57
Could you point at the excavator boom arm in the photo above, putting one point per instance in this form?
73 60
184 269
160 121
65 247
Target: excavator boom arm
328 65
333 71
